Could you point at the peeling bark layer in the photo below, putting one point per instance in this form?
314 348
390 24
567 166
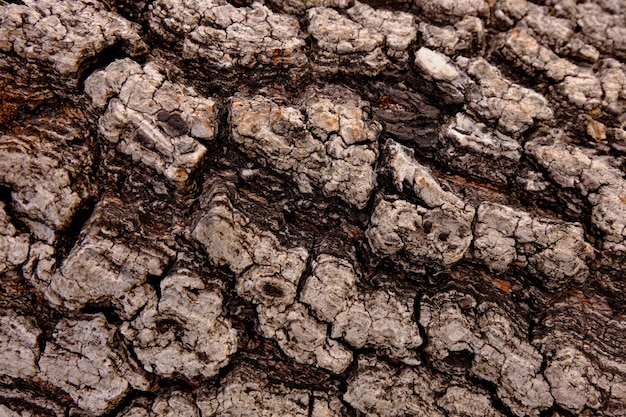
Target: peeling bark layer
312 208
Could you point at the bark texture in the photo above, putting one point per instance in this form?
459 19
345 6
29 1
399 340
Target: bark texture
312 208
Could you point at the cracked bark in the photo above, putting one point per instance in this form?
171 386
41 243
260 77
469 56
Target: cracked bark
312 208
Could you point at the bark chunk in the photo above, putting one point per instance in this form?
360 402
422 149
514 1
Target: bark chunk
19 349
436 67
344 45
83 360
437 230
101 267
65 35
379 320
595 177
376 389
519 46
14 246
172 404
399 29
450 11
475 150
329 144
246 391
511 107
228 37
268 276
556 251
465 37
154 121
457 323
584 348
184 331
47 174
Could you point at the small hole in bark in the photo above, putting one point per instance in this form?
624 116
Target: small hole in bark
460 359
390 4
72 233
164 326
444 236
144 140
428 226
174 123
273 290
241 3
465 303
5 194
163 116
177 124
203 357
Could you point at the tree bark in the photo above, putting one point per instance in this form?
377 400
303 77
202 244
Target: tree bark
312 208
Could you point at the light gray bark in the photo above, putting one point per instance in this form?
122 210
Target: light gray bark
312 208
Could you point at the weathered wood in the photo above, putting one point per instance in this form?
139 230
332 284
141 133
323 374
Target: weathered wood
312 208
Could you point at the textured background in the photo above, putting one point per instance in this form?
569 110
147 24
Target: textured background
312 208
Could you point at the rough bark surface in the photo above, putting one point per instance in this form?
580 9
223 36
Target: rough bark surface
312 208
